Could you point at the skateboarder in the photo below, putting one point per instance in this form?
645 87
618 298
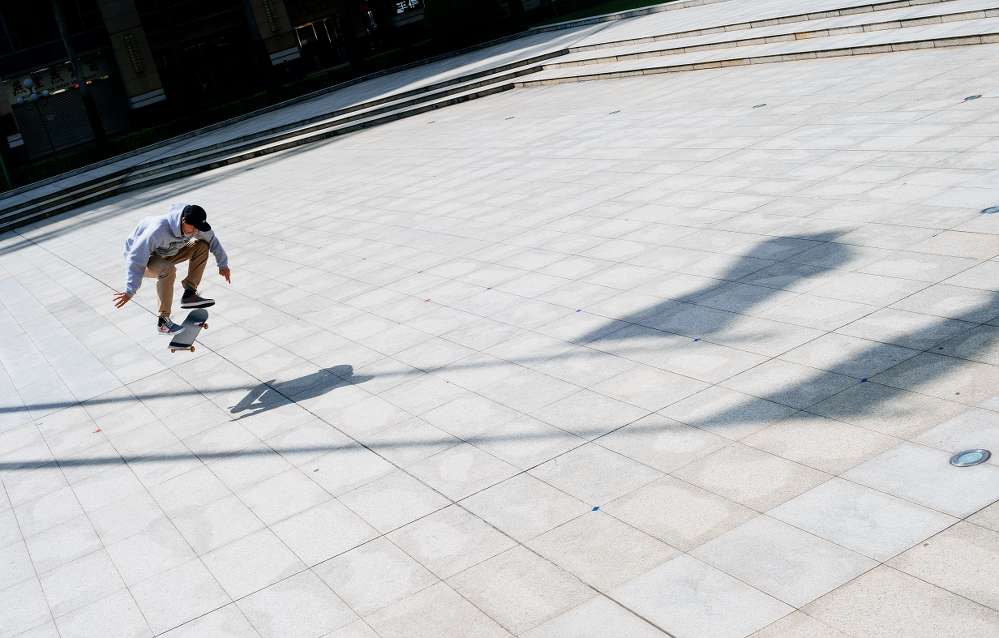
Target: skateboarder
160 242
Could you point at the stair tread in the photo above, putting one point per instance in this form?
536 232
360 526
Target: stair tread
733 38
12 219
724 14
178 156
968 28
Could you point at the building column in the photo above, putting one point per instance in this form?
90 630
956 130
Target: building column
131 50
275 30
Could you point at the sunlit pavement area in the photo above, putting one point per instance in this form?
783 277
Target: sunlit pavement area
680 355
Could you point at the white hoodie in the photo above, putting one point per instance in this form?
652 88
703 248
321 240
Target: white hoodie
161 235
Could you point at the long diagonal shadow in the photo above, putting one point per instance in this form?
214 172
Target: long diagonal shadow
928 364
914 370
687 315
658 317
935 351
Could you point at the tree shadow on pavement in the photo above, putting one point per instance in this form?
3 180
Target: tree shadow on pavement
711 309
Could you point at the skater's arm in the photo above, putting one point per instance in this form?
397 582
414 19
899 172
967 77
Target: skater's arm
221 259
136 260
215 246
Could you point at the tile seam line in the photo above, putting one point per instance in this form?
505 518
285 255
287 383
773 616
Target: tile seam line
34 568
103 546
58 375
452 501
921 351
500 243
534 330
556 488
398 468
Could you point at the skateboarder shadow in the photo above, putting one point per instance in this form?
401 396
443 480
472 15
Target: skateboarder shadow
271 394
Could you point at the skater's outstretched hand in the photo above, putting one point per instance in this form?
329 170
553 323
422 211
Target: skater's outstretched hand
226 274
121 298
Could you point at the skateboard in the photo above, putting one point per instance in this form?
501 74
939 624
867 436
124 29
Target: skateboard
193 323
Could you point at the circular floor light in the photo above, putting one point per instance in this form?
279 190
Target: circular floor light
968 458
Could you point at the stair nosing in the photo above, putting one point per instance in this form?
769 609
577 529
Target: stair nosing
734 44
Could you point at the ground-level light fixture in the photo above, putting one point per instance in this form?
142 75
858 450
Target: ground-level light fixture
968 458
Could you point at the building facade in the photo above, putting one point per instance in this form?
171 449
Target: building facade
74 71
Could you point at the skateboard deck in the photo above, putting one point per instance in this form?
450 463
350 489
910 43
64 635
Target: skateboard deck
193 323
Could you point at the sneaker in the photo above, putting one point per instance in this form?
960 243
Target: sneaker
192 299
167 327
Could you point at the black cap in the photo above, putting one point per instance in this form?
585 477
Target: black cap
196 216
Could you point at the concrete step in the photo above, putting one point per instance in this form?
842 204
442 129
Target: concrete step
733 16
979 31
224 157
104 173
920 15
298 132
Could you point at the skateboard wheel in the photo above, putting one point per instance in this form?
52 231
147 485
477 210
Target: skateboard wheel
204 326
192 348
173 349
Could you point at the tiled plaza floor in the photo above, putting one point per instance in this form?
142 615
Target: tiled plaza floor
678 355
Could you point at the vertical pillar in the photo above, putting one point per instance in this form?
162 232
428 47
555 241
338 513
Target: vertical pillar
13 139
131 50
275 30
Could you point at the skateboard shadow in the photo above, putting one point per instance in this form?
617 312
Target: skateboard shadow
271 394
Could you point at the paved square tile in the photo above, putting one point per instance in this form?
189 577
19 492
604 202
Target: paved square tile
436 611
393 501
54 547
678 513
299 606
687 597
790 565
798 625
217 524
601 550
867 521
374 576
462 470
177 596
141 556
520 590
116 615
924 476
662 443
595 474
323 532
888 410
524 507
227 622
84 581
824 444
751 477
886 602
597 617
959 559
251 563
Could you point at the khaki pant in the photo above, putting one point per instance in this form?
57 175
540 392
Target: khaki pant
164 270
